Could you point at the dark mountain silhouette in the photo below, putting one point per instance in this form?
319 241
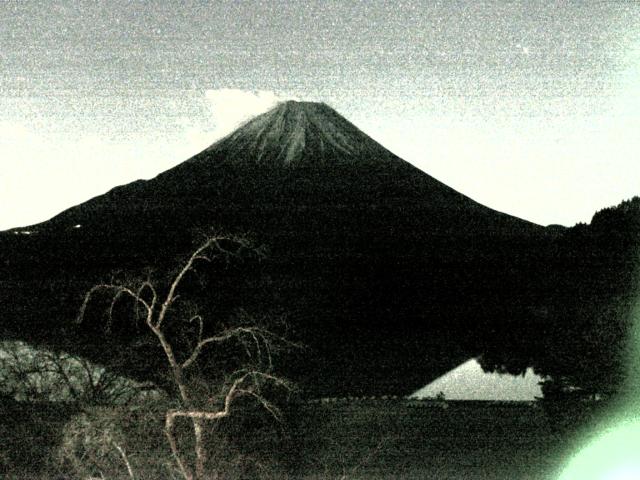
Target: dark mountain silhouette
387 275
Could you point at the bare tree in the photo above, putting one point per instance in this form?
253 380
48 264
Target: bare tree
157 306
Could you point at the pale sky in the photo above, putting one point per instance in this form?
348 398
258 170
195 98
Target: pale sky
531 107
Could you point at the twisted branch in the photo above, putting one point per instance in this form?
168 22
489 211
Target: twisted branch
248 383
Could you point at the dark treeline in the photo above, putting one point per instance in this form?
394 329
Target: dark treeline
579 335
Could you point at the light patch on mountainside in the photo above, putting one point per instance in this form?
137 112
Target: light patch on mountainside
31 374
469 382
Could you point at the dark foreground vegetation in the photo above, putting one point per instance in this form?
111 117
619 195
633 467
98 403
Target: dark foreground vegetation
358 439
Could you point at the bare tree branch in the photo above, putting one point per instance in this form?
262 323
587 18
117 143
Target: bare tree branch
125 459
171 296
146 285
119 291
257 342
222 337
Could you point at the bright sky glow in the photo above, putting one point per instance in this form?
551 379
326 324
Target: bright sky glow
614 453
613 456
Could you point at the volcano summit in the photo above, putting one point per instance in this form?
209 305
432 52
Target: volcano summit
300 134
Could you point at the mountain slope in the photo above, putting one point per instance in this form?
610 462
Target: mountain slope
300 149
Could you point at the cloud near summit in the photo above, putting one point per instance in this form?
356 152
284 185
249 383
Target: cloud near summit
231 107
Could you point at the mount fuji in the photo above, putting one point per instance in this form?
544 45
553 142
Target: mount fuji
389 276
